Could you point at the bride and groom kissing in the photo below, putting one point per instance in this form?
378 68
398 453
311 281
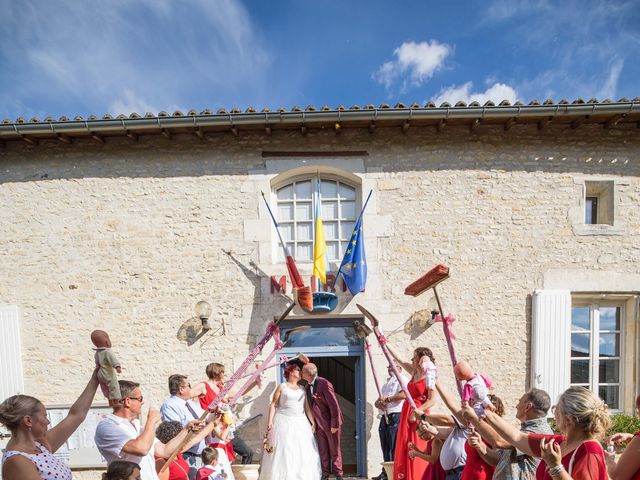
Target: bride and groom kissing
303 428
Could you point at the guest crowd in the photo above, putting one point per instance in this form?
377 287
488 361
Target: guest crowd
471 442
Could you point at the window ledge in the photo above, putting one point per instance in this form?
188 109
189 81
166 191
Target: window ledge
599 229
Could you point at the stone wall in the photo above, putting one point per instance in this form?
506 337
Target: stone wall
129 236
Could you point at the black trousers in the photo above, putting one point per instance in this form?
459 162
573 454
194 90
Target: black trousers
388 433
242 449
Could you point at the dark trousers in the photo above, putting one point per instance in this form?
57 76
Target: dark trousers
453 474
329 450
388 432
242 449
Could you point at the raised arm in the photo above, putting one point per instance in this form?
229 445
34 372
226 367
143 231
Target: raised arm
484 429
440 419
199 390
509 433
488 455
141 445
59 434
452 405
628 463
165 450
408 366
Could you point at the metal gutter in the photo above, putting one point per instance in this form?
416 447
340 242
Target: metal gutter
272 119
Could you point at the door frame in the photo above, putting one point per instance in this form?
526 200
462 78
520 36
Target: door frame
360 372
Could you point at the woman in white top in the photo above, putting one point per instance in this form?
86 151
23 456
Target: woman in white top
291 426
29 453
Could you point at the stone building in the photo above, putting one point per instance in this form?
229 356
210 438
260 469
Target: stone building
126 223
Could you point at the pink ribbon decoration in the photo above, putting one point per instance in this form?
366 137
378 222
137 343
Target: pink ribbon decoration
448 321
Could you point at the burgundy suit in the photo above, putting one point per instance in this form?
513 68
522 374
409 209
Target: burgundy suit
328 415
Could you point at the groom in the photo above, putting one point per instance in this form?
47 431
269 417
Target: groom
328 416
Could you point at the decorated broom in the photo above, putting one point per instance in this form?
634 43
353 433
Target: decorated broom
362 331
303 294
255 375
272 329
382 340
431 279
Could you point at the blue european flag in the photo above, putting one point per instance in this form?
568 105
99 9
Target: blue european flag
354 263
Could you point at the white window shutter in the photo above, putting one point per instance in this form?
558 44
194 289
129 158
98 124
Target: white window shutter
11 378
551 340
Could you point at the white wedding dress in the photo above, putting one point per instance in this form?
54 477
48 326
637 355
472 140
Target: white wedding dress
295 451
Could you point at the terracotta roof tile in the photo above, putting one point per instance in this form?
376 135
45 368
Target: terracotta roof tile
602 108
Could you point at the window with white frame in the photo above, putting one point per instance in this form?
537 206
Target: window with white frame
596 350
296 210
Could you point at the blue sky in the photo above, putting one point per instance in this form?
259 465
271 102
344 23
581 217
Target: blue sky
82 57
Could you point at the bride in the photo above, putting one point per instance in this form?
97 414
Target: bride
294 453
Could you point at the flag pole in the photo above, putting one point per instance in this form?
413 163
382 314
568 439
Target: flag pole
335 280
305 300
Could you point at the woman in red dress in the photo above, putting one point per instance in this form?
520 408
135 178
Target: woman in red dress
208 390
476 468
434 470
583 418
403 467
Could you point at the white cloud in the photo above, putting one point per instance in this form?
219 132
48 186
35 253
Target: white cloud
126 56
415 63
610 86
496 93
129 102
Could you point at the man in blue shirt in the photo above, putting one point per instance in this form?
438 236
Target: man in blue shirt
182 408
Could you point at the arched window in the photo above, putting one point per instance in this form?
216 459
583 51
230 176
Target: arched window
296 209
